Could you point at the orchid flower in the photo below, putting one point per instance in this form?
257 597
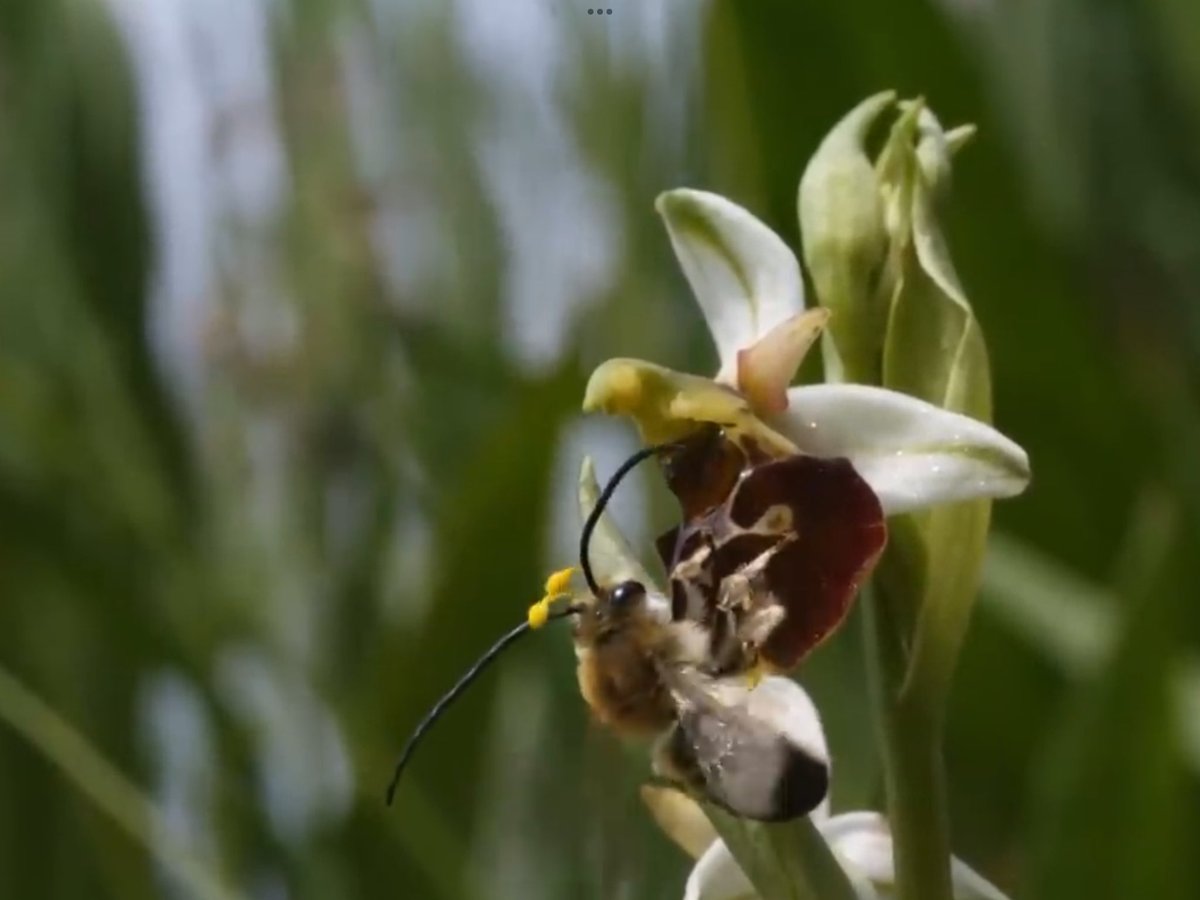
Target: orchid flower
748 284
861 841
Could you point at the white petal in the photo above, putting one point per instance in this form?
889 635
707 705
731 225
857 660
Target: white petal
863 844
912 453
767 367
746 279
717 876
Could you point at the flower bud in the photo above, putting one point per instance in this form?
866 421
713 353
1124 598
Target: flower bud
845 241
933 349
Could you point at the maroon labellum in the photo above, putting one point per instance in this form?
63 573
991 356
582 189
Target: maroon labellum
771 551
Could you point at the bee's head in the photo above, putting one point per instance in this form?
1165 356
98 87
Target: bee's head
621 600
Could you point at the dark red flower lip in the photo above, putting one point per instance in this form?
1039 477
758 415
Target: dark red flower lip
805 532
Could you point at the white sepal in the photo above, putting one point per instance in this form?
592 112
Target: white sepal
913 454
862 842
745 278
611 555
717 876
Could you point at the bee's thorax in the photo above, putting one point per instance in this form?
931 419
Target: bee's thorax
621 657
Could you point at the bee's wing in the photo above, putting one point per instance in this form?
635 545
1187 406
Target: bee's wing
760 753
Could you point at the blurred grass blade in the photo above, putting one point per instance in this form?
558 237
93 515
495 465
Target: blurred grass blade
1069 619
1073 623
1119 749
105 786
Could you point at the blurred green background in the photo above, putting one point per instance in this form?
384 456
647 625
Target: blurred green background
296 304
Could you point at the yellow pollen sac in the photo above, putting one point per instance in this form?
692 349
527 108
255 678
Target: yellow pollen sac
558 582
539 613
557 585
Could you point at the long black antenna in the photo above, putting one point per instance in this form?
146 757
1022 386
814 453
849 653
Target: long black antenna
593 518
453 694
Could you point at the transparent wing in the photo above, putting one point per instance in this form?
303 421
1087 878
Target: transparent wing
758 752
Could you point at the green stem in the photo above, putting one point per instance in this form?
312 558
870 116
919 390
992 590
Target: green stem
910 728
784 861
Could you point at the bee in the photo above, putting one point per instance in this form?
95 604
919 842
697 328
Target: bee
645 674
766 559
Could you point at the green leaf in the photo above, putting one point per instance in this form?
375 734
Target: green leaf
935 348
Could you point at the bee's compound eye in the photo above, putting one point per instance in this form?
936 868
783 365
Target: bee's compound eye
625 593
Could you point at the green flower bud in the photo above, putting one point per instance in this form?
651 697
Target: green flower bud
845 242
894 168
933 349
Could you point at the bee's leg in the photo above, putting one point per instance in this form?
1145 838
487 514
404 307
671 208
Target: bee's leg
754 630
751 615
726 652
743 589
692 575
755 627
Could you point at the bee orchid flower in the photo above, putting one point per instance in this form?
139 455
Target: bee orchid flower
749 288
911 453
